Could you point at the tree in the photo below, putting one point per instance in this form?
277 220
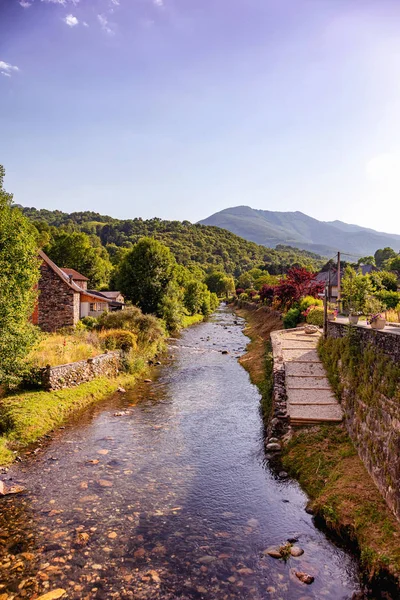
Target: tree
19 274
83 253
355 289
383 255
220 283
393 264
366 260
145 273
299 282
384 280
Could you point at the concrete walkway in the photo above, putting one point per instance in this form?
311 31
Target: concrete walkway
309 396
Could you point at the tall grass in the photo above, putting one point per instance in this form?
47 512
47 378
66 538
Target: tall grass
55 349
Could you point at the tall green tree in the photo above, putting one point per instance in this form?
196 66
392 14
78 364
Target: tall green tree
83 253
145 274
19 274
220 283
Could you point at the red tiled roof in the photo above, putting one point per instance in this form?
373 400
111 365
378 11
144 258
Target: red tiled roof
75 275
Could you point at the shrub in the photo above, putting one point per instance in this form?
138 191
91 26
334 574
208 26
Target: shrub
389 299
316 316
243 296
89 322
267 293
292 318
148 328
308 301
239 291
118 339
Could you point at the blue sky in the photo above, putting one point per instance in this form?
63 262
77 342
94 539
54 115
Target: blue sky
180 108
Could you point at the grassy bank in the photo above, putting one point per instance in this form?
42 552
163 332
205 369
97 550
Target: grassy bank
27 416
326 464
258 360
343 494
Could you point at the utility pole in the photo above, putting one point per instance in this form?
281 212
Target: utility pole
338 280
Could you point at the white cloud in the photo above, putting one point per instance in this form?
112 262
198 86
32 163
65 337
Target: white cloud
25 4
159 3
71 21
85 24
62 2
115 2
105 24
6 69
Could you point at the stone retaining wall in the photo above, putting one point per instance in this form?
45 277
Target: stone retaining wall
387 342
374 426
73 374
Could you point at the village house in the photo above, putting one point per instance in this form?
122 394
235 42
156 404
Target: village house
329 278
64 298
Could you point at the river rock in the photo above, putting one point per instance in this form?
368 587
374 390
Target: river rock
147 380
207 559
296 551
283 475
121 390
273 447
224 352
273 552
304 577
53 595
273 440
6 490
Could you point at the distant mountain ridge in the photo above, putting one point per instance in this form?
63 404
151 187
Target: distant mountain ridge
270 228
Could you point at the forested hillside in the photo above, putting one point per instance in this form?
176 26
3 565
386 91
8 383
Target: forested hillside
209 247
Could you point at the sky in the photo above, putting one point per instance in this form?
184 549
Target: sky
180 108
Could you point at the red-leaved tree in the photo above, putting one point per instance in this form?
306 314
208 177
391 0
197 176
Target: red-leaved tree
299 282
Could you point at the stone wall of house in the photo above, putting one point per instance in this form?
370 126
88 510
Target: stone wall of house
374 425
82 371
57 303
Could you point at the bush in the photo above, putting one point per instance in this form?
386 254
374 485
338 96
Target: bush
148 328
292 318
308 301
89 322
389 299
118 339
316 316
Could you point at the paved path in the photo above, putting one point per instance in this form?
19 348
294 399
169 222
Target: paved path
309 396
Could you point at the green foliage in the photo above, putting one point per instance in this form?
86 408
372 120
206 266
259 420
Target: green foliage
219 283
388 299
316 316
120 339
292 318
355 289
308 301
212 248
384 280
145 273
88 322
147 328
83 253
19 274
382 255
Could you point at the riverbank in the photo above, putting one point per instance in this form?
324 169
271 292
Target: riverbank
324 460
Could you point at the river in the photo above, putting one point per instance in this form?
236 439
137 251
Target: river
164 493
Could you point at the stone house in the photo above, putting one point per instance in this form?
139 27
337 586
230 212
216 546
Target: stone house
64 298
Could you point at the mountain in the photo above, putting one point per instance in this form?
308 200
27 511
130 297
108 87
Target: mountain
271 228
192 244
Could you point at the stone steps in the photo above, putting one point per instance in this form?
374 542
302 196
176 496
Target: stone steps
310 398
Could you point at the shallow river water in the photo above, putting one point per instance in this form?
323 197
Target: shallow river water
171 499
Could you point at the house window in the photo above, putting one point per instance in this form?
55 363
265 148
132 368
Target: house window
92 306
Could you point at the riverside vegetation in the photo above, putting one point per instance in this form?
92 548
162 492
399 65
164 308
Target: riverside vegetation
323 458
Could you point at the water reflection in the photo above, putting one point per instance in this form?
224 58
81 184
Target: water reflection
170 499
